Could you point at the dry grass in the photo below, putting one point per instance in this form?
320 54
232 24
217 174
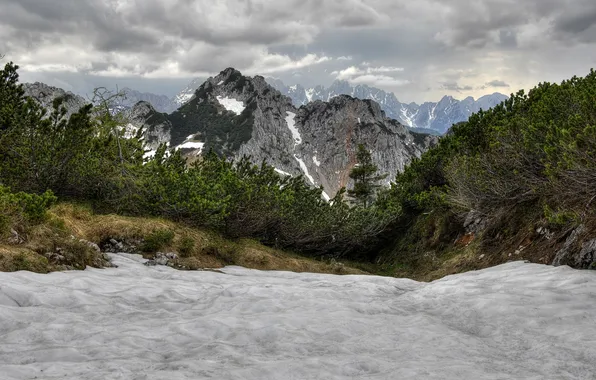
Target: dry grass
13 259
198 249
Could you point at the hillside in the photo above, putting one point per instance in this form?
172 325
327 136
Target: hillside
511 183
73 236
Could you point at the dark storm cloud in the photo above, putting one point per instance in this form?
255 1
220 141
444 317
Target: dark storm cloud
458 46
497 83
508 38
453 86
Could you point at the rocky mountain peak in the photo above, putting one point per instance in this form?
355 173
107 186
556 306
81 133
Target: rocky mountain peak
45 95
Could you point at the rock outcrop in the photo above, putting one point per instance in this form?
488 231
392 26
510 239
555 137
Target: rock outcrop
157 128
45 95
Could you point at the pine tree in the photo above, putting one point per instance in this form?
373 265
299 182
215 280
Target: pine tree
365 178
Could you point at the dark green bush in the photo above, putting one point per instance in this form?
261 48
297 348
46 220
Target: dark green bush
157 240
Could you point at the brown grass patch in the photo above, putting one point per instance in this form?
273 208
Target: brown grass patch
13 259
198 249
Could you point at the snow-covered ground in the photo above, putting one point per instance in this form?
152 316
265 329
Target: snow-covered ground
516 321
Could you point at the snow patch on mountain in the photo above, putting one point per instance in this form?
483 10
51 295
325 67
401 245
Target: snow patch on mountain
231 104
282 172
191 145
305 169
290 121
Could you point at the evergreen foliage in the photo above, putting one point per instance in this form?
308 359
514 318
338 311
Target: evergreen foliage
87 157
535 150
366 179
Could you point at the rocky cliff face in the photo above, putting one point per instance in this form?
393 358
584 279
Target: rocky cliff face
237 116
46 95
157 127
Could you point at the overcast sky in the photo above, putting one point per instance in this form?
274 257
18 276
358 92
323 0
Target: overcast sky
419 49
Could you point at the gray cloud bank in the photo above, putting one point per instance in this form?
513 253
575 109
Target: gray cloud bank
421 50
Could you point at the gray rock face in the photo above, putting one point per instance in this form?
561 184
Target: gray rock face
587 256
475 222
438 117
157 128
45 95
575 257
237 116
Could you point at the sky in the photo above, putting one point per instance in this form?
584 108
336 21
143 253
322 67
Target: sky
419 49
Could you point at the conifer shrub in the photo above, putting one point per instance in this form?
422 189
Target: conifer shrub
157 240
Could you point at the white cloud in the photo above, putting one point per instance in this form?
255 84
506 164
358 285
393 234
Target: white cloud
382 76
273 63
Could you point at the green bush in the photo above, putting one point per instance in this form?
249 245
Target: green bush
157 240
186 247
23 209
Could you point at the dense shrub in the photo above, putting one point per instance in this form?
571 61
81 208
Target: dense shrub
86 157
22 209
533 156
157 240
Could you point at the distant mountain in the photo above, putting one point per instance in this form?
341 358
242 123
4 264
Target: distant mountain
45 96
161 103
436 116
188 92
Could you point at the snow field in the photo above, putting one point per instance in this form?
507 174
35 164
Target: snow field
515 321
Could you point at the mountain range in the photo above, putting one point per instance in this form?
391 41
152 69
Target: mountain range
429 117
238 116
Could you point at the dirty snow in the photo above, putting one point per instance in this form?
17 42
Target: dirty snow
282 172
292 126
191 145
304 169
515 321
231 104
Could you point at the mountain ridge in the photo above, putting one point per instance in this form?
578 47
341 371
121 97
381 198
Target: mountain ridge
238 116
437 116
